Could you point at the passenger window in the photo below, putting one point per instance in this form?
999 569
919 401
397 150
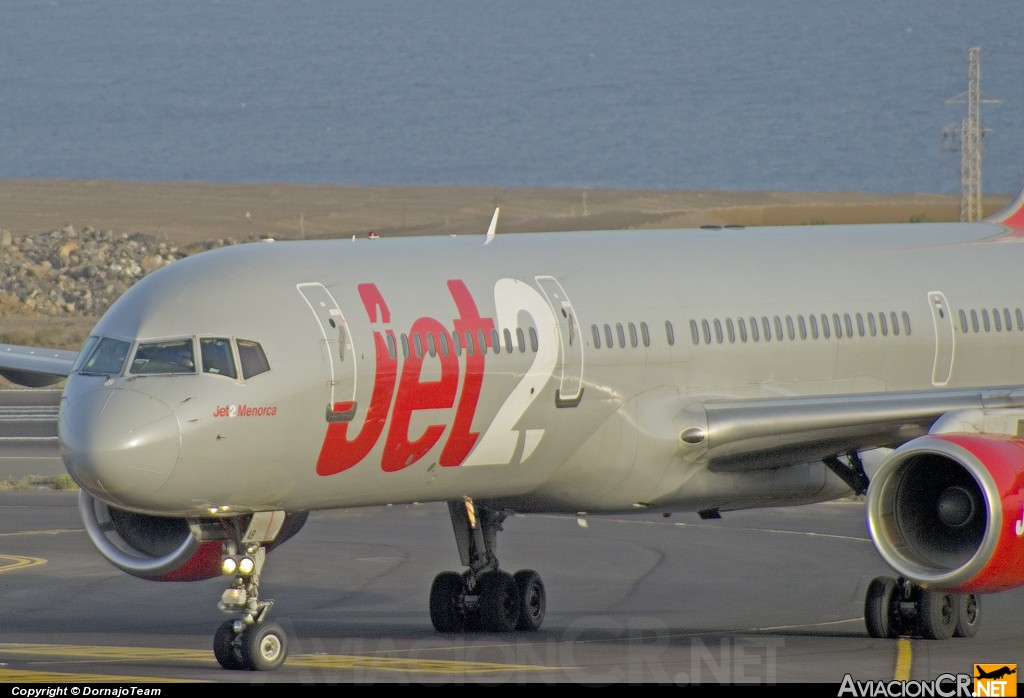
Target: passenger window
974 321
621 334
848 322
789 328
802 324
457 343
906 323
718 331
392 349
767 327
608 336
495 342
778 328
963 321
753 329
482 341
533 340
741 325
597 336
443 344
417 344
883 325
706 328
860 325
872 327
521 339
508 340
632 335
469 343
252 358
172 356
826 331
431 346
1006 320
984 320
694 333
1020 320
218 357
405 345
837 326
814 327
997 321
895 324
670 333
645 335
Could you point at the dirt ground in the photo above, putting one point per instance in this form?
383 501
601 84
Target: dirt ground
190 211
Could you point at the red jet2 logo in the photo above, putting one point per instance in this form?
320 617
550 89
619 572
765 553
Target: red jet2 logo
342 450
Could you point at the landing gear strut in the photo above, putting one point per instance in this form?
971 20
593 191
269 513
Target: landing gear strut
895 607
484 597
250 642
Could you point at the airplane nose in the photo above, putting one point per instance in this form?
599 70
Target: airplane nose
118 444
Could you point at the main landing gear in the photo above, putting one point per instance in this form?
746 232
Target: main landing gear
250 642
484 598
895 607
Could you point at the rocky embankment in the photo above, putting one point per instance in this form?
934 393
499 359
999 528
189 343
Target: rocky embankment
69 271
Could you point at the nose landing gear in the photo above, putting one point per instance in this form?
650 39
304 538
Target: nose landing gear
250 642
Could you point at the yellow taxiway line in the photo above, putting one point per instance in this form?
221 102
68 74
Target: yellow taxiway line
308 661
10 563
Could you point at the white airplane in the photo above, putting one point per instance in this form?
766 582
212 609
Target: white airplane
225 396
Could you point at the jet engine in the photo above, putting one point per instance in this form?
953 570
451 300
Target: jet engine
945 511
162 548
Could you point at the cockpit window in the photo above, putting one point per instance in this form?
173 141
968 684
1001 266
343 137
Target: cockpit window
253 359
170 356
84 353
107 357
217 357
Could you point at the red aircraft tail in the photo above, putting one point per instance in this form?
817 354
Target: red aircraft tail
1012 215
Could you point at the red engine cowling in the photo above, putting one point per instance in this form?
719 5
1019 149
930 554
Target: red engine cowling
945 511
159 548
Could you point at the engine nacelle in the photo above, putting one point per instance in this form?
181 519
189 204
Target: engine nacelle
945 511
159 548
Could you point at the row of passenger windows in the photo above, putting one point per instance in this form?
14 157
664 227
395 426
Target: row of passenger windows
704 331
429 344
790 327
999 320
620 334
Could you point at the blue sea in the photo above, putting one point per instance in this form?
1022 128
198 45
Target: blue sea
799 95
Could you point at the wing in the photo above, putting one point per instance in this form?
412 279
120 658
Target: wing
35 367
944 508
769 433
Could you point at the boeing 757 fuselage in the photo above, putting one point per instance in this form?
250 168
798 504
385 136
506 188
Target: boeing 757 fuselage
227 395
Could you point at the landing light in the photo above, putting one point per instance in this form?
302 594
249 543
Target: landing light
228 565
246 565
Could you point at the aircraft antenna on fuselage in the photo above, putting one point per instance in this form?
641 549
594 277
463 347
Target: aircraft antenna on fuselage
493 226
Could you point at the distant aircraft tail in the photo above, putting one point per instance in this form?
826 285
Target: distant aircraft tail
1013 214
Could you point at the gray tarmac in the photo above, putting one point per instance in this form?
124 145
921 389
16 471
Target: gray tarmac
28 434
767 596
